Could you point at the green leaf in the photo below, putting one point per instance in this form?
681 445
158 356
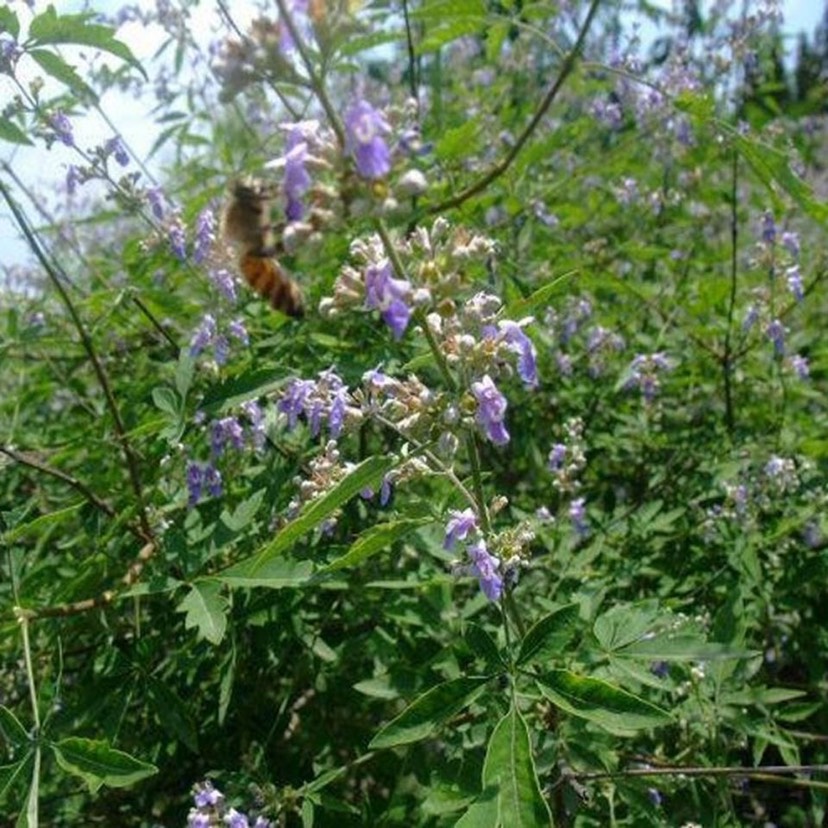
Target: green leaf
172 712
367 473
206 610
49 27
625 623
483 646
42 522
11 729
774 167
681 648
9 22
60 70
760 695
608 706
458 142
376 539
547 637
538 299
12 133
99 764
11 775
276 574
482 813
244 513
424 716
509 765
166 400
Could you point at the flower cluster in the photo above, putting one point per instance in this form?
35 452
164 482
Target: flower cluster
644 372
226 433
208 335
212 811
462 527
324 400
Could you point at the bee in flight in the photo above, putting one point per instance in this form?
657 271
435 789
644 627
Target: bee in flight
246 221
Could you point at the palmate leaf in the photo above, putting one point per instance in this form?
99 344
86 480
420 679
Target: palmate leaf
424 716
600 702
510 767
99 764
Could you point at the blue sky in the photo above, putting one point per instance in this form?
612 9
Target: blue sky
43 169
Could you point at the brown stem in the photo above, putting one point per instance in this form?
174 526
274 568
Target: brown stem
498 169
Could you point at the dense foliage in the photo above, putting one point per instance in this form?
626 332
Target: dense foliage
522 523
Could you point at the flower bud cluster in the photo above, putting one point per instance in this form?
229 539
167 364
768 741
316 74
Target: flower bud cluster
325 471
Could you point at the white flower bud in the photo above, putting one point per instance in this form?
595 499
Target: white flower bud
412 183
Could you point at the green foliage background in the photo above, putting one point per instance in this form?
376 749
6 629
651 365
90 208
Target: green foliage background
349 676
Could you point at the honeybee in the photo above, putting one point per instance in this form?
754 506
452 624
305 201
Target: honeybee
246 221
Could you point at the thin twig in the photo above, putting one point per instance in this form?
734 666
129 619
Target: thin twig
103 599
498 169
315 81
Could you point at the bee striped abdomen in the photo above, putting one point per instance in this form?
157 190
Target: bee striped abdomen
269 279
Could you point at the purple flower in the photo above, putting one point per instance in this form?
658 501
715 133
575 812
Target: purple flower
459 526
768 227
512 334
195 481
255 415
114 146
297 180
206 795
212 479
577 514
364 128
155 199
63 128
178 239
491 410
221 349
73 178
198 820
775 332
484 567
790 241
557 457
226 431
224 282
238 331
295 399
799 365
236 819
205 234
794 280
388 295
203 335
